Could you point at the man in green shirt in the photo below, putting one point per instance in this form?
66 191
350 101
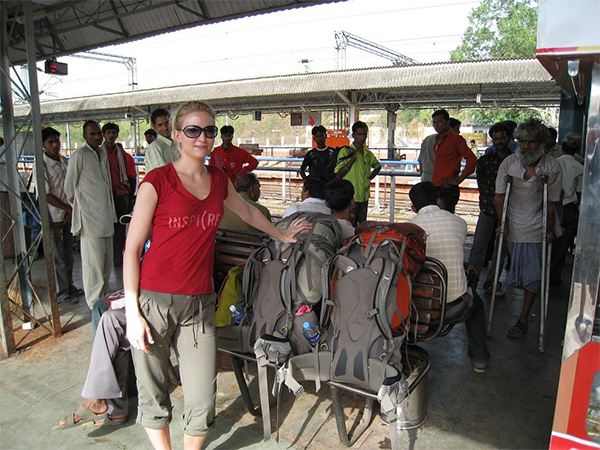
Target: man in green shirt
355 164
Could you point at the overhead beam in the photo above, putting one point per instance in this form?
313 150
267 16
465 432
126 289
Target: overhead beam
202 15
109 30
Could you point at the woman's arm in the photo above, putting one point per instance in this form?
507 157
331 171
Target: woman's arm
138 331
253 217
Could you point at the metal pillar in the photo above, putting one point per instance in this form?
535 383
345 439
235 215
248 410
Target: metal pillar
69 145
391 126
39 165
6 326
352 114
14 185
392 197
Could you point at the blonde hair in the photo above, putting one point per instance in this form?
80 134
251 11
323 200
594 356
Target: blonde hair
189 108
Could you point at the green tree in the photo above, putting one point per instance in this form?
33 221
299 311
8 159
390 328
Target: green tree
499 29
489 116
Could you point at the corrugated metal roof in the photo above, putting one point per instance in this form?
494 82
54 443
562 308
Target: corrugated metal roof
69 26
500 82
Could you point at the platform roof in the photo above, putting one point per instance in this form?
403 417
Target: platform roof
63 27
498 83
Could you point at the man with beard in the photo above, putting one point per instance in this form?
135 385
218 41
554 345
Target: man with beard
524 225
88 189
488 221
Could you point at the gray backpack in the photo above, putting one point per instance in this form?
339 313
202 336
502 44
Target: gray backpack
278 280
363 284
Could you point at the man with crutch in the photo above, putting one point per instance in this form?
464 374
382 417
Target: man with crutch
529 216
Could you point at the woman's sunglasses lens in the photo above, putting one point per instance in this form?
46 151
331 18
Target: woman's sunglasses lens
193 132
211 132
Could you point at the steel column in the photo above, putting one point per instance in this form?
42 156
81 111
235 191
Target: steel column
391 126
40 184
6 326
16 211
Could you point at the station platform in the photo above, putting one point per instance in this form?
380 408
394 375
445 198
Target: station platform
511 405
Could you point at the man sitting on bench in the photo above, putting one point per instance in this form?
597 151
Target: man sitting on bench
446 234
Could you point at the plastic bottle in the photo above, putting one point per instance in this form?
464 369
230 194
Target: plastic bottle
237 315
311 332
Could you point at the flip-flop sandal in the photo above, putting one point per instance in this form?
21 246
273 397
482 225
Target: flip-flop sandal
85 415
517 330
107 422
69 300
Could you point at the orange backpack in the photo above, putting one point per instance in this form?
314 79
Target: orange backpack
409 240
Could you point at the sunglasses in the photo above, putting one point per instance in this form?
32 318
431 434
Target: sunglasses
194 132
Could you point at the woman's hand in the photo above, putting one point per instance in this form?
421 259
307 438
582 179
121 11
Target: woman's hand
139 334
297 226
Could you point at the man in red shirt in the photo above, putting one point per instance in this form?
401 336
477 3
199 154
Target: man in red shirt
117 163
449 150
233 160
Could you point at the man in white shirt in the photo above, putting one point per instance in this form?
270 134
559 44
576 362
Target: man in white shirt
572 180
88 189
426 158
446 234
313 198
162 150
55 171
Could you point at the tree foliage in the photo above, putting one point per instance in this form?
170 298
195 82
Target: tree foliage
489 116
499 29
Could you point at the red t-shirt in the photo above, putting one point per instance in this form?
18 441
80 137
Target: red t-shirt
181 257
449 152
232 161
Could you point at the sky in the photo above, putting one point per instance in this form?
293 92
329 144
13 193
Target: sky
272 44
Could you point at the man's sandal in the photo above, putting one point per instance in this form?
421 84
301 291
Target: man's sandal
85 415
107 422
518 330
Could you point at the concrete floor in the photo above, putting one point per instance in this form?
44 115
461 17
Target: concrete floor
509 406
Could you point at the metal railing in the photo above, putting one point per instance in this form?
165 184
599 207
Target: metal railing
289 167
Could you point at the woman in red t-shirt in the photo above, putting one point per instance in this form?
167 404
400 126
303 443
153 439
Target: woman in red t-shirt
170 299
